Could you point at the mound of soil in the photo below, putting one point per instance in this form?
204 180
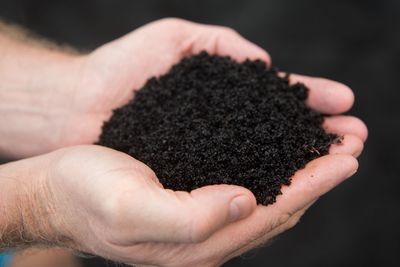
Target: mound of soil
210 120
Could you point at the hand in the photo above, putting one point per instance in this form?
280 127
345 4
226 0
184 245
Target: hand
58 99
74 95
104 202
112 205
110 75
107 203
101 194
319 177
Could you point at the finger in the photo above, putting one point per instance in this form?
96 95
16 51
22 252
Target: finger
249 233
351 145
231 43
224 41
326 96
318 177
263 239
193 217
291 222
308 184
342 125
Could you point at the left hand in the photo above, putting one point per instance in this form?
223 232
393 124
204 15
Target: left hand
73 96
104 202
111 74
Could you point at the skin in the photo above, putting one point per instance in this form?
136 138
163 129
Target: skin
54 257
101 201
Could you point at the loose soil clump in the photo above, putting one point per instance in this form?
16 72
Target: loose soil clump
211 120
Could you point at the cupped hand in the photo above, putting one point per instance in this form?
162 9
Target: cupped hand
107 203
109 76
115 204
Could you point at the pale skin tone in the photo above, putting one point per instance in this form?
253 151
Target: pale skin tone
101 201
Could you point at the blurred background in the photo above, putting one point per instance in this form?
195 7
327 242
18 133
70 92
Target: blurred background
355 42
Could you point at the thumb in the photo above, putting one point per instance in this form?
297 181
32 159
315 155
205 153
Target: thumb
179 216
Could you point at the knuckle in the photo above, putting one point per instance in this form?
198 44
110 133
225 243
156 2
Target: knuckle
282 219
288 220
117 207
293 221
144 172
198 228
173 22
227 30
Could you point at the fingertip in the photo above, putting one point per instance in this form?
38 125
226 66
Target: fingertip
351 145
241 207
326 96
343 94
351 164
361 129
317 178
215 206
345 124
342 166
241 49
227 42
347 96
226 191
242 201
326 172
254 52
333 98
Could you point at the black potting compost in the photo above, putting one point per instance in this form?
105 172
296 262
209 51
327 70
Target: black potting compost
210 120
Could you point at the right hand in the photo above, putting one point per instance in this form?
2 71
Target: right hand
109 204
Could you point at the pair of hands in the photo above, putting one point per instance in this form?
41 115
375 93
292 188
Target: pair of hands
110 204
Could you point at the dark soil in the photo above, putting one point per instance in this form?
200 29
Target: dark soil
210 120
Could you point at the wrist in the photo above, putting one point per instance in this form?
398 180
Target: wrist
27 207
36 86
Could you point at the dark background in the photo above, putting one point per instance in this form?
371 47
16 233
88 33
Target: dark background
355 42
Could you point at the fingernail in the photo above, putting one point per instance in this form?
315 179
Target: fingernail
240 207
